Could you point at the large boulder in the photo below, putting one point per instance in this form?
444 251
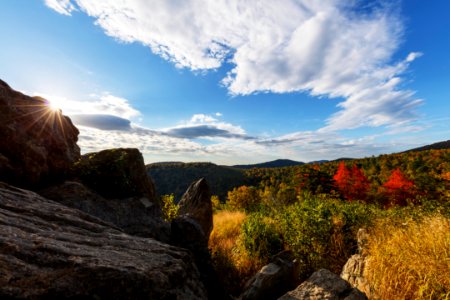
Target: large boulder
50 251
37 144
187 233
134 215
115 173
324 285
274 279
196 204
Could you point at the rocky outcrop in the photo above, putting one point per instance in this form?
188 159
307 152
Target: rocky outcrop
51 251
37 144
274 279
187 233
115 173
191 230
196 204
324 285
353 270
134 215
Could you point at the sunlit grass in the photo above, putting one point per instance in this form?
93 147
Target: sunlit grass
233 264
410 261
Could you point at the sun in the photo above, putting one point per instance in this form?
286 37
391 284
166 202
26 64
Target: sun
54 105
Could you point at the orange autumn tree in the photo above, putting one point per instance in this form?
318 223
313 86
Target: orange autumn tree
351 183
398 190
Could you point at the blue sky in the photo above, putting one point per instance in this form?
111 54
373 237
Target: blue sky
236 82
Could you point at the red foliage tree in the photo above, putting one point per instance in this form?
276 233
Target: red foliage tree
360 184
397 190
342 179
352 184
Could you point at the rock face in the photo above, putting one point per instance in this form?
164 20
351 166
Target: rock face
134 215
324 285
274 279
37 144
116 173
353 270
187 233
51 251
196 204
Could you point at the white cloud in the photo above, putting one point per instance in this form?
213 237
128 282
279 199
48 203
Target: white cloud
105 103
326 48
113 105
202 118
148 141
64 7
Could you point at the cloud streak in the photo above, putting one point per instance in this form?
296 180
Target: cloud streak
100 121
207 126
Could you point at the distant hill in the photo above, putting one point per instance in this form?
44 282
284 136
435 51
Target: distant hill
323 161
175 177
435 146
272 164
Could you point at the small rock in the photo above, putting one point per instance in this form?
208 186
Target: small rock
273 280
324 285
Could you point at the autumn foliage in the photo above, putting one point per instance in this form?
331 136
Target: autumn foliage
398 190
351 183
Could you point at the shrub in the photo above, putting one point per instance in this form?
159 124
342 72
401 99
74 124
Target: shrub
260 237
321 232
169 208
244 197
410 261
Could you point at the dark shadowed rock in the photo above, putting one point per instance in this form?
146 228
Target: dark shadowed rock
134 215
324 285
37 144
115 173
274 279
50 251
196 203
187 233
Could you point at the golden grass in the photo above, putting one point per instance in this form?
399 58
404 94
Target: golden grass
410 261
233 264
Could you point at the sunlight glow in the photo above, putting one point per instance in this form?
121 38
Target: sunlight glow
54 105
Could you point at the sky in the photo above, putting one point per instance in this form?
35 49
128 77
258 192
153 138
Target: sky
236 82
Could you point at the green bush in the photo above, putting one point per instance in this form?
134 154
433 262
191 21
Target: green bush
169 208
321 232
260 237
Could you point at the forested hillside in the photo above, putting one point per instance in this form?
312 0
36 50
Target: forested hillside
272 164
428 170
175 177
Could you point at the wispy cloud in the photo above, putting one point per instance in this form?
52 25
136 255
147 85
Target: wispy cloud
331 48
